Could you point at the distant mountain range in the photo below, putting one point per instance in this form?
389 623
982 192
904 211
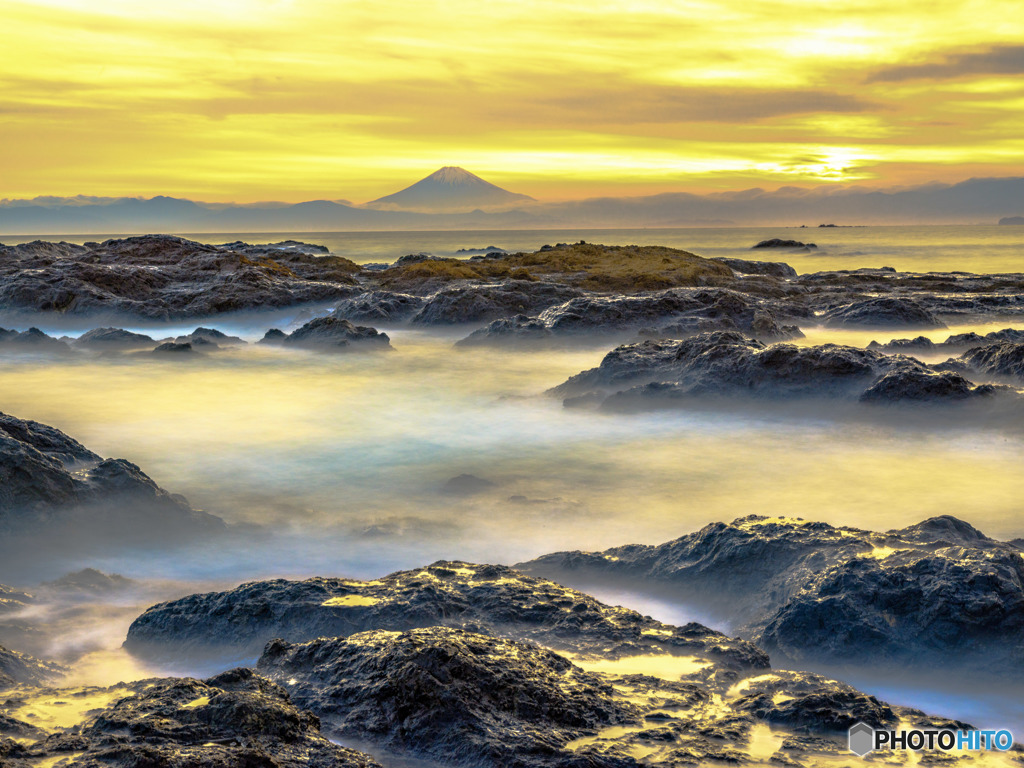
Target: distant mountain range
452 198
450 190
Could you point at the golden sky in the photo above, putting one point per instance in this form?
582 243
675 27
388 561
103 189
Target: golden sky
293 100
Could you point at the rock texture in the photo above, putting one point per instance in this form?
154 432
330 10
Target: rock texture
885 312
460 697
164 277
334 334
487 598
675 313
114 338
19 668
776 242
233 720
479 665
49 479
921 596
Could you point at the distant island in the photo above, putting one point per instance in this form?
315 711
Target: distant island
1012 220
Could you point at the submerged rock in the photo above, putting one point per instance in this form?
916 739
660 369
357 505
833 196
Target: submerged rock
234 720
466 485
334 334
938 593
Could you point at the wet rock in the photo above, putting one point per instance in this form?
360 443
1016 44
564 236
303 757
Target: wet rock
276 249
807 701
459 697
1004 359
48 481
274 337
114 338
476 303
19 668
885 312
233 720
911 384
89 581
675 312
337 335
729 364
175 349
917 344
807 591
379 306
164 277
211 336
771 268
776 242
32 341
466 485
479 598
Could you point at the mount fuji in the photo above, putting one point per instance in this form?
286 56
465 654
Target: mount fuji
450 190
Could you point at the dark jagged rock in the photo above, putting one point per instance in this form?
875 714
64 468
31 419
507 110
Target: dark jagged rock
274 337
1003 359
276 249
460 697
482 598
379 306
729 364
884 312
335 334
476 303
771 268
164 277
48 479
917 344
813 702
776 242
175 349
674 312
19 668
32 341
114 338
234 720
211 335
911 384
89 581
920 596
466 485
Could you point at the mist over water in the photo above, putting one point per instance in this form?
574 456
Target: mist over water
334 465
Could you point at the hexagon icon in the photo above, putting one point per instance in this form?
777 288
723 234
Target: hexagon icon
862 739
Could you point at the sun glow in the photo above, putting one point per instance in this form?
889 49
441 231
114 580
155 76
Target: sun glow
263 99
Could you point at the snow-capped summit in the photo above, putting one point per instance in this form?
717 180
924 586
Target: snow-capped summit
450 189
